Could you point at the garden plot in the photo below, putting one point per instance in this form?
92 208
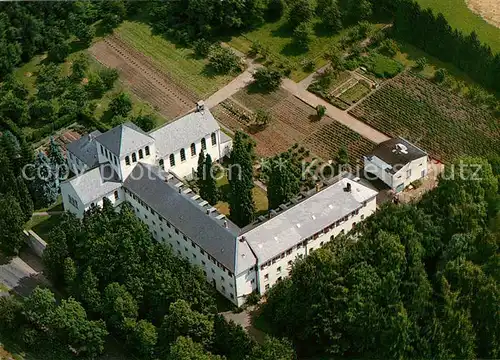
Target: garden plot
444 124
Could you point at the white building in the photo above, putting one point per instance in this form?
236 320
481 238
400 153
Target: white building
235 261
397 163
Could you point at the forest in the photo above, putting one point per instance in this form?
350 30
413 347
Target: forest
420 280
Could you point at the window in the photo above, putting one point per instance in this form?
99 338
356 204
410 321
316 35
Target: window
116 161
204 272
178 252
232 296
185 248
134 158
214 139
231 286
73 201
193 245
194 256
223 289
145 216
177 231
353 225
107 153
184 237
161 229
127 160
267 287
183 155
116 195
141 156
321 243
362 216
202 252
172 160
222 278
266 277
178 243
162 239
408 173
193 149
203 144
280 278
290 263
161 163
213 271
252 281
102 150
147 150
278 270
203 263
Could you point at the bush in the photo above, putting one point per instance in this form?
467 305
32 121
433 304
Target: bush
262 117
121 105
320 111
308 65
202 48
383 67
389 47
303 35
275 9
301 11
267 79
145 122
253 298
223 60
421 63
108 76
255 49
440 75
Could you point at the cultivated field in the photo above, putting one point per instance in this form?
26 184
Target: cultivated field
461 17
143 78
292 122
446 125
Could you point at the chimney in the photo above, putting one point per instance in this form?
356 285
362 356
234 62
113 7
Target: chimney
180 190
348 187
200 106
208 211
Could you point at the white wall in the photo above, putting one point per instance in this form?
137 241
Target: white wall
185 168
409 173
373 168
246 283
183 247
272 268
67 190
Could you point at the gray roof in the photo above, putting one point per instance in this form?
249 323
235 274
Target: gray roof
306 218
85 149
182 132
185 213
389 153
96 183
124 139
224 137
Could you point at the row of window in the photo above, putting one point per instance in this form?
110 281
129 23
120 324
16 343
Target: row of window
134 155
314 237
170 226
111 157
193 151
73 201
74 158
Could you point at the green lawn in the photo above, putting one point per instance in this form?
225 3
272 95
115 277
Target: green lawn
459 16
277 37
179 62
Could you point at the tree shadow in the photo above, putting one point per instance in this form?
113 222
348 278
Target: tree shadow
314 118
293 49
284 31
323 30
76 46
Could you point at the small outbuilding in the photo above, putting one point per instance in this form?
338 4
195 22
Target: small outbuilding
396 162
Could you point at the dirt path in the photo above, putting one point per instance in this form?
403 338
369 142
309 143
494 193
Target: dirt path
142 76
489 10
335 113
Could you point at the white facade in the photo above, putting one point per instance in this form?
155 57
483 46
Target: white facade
184 165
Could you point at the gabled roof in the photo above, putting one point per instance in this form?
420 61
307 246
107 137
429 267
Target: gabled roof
150 184
95 183
85 149
184 131
306 218
124 139
396 153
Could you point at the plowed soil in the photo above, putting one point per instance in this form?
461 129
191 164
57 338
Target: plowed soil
143 78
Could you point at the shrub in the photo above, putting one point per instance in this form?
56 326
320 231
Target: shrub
275 9
303 35
267 79
262 117
421 63
121 105
253 298
255 49
308 65
202 48
320 111
389 47
383 67
301 11
440 75
145 122
223 60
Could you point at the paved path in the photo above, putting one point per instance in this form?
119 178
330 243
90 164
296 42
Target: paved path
48 213
14 271
335 113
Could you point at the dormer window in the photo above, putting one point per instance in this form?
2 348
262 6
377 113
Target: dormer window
147 150
102 150
214 139
134 157
127 160
141 156
183 155
203 144
193 149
